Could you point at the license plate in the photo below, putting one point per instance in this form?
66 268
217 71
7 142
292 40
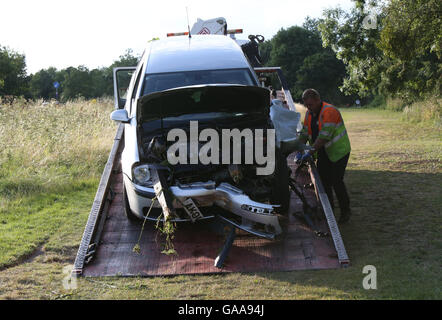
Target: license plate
192 210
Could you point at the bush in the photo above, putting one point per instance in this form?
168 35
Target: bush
395 104
377 102
429 111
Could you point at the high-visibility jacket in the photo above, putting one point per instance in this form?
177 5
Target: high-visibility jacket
331 127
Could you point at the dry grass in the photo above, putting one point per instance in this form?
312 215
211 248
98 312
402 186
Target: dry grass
50 157
395 104
428 111
43 146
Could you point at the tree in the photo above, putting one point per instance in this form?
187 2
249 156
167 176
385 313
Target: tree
76 83
265 50
290 47
13 78
99 82
323 72
125 60
306 63
312 24
82 82
355 43
41 84
411 40
400 55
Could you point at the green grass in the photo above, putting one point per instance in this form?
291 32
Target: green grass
51 158
32 221
394 178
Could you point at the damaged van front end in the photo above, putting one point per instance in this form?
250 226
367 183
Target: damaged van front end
228 189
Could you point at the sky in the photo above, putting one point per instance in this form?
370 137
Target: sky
94 33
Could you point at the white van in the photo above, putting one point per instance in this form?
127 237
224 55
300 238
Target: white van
161 97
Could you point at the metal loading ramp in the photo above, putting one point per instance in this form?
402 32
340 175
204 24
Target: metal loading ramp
109 238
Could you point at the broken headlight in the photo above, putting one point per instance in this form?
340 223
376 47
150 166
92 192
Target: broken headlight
141 175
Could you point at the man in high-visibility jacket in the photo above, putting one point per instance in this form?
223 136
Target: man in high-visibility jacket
325 131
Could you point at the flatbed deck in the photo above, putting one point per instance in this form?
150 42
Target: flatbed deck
109 238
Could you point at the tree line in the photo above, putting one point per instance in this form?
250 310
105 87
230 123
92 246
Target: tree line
377 48
397 54
74 81
298 50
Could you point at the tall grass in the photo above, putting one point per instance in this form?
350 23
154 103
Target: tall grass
427 111
47 146
51 159
395 104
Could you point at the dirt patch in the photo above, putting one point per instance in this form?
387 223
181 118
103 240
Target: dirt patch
420 162
26 258
393 154
51 258
27 282
356 130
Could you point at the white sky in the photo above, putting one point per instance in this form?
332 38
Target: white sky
94 33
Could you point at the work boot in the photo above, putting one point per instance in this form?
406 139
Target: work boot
345 216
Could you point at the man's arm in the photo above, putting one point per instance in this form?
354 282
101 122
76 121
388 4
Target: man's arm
332 118
319 143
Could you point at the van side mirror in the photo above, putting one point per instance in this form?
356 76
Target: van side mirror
120 115
122 77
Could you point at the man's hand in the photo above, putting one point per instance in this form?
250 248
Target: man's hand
291 145
319 143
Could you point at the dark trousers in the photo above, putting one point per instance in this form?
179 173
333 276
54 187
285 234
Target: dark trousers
332 177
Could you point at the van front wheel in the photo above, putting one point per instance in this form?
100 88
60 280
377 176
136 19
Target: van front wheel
129 214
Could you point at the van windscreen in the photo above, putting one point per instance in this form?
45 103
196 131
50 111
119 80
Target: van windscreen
164 81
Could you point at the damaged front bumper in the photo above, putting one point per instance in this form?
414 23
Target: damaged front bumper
255 217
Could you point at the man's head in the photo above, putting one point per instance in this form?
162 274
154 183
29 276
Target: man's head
312 100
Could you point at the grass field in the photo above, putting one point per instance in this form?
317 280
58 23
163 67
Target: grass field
51 160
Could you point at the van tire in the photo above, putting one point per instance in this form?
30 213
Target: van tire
129 214
281 189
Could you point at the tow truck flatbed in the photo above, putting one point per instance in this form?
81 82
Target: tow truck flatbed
106 248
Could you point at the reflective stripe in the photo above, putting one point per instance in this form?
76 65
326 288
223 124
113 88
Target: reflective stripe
321 115
339 136
332 124
324 133
327 131
326 106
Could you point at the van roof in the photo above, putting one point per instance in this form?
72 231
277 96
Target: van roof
201 52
